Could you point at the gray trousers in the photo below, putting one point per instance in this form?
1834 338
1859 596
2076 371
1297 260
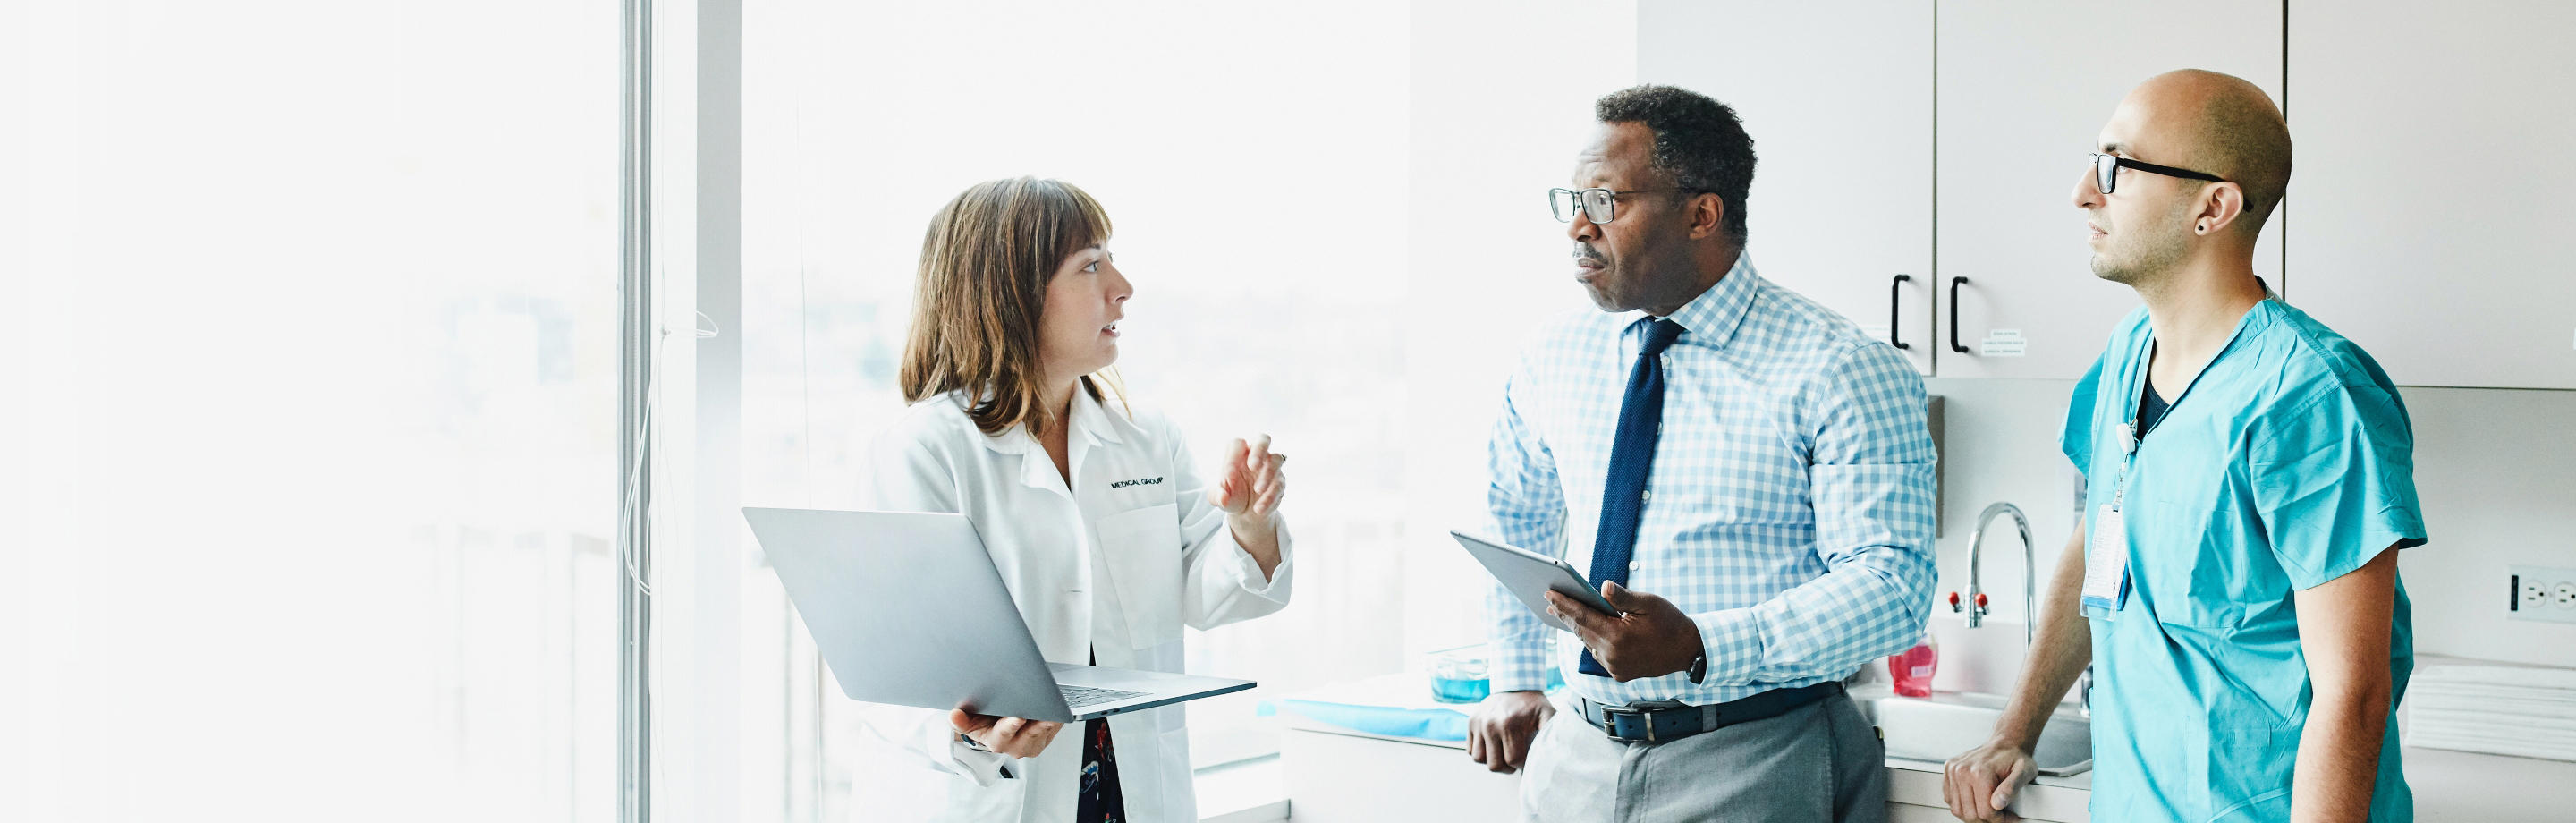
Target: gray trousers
1819 763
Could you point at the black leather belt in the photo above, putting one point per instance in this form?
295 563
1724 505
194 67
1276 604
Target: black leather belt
1658 721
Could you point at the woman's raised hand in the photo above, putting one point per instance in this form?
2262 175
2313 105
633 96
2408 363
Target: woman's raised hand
1249 492
1253 482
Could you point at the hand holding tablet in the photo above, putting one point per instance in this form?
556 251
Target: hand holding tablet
1530 576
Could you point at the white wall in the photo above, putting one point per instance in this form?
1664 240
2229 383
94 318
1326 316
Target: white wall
2494 468
1999 444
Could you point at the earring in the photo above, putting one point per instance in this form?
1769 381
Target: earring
2204 228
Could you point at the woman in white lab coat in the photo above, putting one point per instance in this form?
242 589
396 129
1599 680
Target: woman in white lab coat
1107 536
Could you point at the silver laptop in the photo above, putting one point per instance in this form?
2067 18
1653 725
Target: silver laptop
908 609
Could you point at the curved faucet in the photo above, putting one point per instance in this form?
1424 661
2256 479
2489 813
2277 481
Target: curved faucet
1976 607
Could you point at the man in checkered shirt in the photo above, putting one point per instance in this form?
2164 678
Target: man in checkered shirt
1754 496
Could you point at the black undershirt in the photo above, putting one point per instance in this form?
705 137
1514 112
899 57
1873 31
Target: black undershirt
2151 408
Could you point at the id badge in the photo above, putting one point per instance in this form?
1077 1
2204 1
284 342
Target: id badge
2106 561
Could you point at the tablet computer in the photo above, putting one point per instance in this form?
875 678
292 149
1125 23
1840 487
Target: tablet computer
1530 576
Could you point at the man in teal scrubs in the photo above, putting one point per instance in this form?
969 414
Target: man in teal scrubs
2250 474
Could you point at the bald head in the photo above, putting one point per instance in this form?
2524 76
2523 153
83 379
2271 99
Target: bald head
2215 123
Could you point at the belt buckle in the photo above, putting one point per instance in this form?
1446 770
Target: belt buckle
1639 712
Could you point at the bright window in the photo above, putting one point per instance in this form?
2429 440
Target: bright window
1253 160
308 454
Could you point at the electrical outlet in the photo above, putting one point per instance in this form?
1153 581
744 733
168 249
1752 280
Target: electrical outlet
2541 593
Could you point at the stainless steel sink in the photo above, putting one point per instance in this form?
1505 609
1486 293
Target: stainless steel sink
1947 723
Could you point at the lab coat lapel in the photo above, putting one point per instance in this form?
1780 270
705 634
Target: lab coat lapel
1037 471
1091 417
1091 427
1086 425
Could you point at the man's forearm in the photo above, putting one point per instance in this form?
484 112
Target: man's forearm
2063 646
1516 644
1828 636
2344 627
2338 764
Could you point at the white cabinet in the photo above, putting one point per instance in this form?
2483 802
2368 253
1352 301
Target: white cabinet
1336 774
1346 777
1838 99
1943 141
2431 183
2024 87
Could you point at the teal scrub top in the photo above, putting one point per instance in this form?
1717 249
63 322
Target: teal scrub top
2288 462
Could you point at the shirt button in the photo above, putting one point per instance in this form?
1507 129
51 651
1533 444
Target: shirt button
1648 494
1632 565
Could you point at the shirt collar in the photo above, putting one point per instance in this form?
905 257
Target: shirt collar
1711 318
1089 419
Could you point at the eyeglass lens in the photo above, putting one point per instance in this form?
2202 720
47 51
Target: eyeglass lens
1598 205
2106 173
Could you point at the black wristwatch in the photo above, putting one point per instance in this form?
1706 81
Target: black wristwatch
1698 668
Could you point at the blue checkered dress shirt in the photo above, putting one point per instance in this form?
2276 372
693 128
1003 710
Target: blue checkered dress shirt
1789 511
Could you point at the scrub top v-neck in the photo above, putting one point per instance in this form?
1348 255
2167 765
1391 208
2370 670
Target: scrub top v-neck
2286 463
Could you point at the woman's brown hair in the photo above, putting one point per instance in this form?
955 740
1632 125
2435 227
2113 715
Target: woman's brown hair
982 286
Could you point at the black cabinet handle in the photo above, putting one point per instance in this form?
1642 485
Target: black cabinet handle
1955 282
1895 330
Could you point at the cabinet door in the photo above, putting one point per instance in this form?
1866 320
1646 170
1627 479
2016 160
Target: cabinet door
1838 99
1340 778
2025 86
2432 177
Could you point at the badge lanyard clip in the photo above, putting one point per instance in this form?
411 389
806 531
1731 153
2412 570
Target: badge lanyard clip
2106 562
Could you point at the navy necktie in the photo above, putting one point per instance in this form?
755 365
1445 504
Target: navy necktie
1623 493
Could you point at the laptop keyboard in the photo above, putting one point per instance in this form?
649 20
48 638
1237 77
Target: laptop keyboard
1080 696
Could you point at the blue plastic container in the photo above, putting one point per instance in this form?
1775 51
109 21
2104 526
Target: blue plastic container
1458 690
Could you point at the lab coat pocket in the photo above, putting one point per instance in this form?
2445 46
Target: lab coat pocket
1143 549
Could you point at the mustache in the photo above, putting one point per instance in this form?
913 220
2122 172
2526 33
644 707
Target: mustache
1583 253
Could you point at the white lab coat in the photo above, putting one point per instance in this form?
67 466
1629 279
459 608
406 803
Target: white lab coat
1115 568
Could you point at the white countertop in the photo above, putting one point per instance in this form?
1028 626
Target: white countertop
2082 781
2449 786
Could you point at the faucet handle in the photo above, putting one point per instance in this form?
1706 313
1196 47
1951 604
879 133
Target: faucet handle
1976 611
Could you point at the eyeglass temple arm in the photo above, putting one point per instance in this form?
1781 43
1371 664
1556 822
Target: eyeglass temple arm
2167 171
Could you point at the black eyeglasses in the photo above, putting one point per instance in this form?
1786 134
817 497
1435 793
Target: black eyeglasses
2106 171
1599 205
